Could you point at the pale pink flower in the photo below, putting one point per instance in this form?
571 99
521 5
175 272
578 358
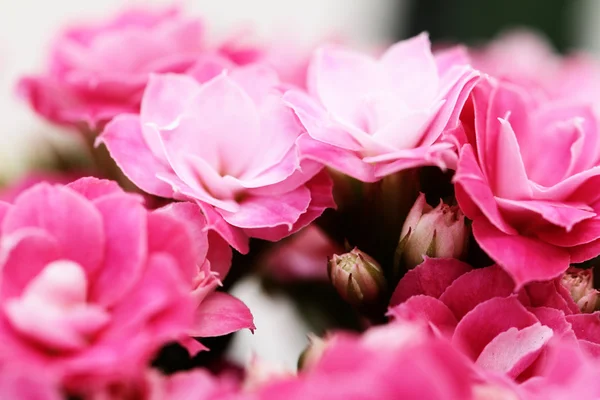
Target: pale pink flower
502 331
92 284
372 117
527 177
231 146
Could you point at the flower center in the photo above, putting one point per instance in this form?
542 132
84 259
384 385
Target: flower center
53 309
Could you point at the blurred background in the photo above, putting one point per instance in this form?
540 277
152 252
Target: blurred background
27 26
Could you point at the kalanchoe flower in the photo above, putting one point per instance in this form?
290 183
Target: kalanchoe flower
580 283
369 117
434 232
535 211
229 145
357 277
93 284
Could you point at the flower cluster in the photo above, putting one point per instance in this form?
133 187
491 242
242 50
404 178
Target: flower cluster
444 204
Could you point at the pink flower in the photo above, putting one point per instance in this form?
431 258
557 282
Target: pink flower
97 71
92 284
527 177
302 257
503 332
372 117
388 362
525 58
231 146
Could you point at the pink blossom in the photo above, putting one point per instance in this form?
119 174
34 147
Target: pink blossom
93 284
372 117
526 58
502 331
527 177
302 257
231 146
388 362
97 71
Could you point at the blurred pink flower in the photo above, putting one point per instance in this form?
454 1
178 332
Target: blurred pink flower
527 59
528 178
302 257
387 362
93 284
231 146
501 331
372 117
97 71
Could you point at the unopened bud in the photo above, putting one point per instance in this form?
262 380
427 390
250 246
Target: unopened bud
579 282
357 277
434 232
313 352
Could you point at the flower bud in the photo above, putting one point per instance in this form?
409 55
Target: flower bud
579 282
357 277
434 232
313 352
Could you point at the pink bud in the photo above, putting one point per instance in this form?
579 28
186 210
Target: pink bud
434 232
357 277
579 282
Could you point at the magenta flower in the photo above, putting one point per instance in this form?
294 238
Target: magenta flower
231 146
528 179
372 117
92 284
501 331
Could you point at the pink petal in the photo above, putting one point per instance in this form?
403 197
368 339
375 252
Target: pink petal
267 211
167 234
24 255
586 326
586 231
164 98
554 319
220 314
320 187
409 70
475 287
525 259
318 123
221 146
348 162
231 234
125 251
528 212
219 255
190 215
425 308
490 318
342 79
513 351
430 278
473 191
551 294
123 139
94 188
74 222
